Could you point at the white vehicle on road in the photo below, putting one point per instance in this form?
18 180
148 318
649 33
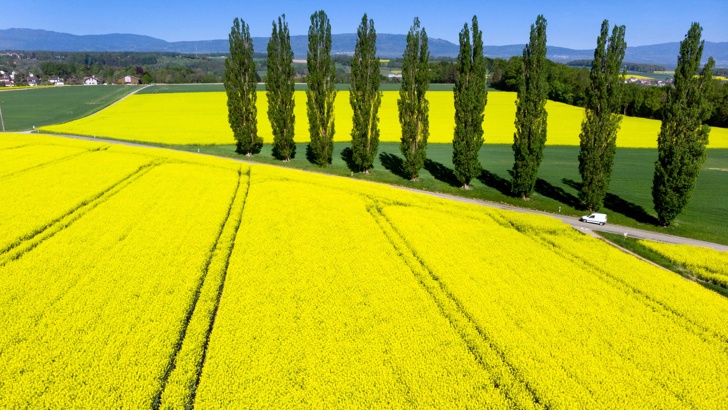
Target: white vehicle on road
594 218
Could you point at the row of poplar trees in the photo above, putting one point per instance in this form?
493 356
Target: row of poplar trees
681 142
683 135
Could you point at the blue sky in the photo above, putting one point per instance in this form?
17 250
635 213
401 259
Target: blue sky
570 24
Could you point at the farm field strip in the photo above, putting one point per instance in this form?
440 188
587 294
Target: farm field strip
127 293
706 264
569 296
33 239
201 119
179 387
28 157
45 194
516 390
193 281
372 328
655 285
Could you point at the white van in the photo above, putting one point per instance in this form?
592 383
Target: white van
594 218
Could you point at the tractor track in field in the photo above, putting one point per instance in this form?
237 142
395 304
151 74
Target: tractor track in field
31 240
569 220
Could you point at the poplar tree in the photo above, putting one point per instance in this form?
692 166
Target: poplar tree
321 91
365 97
470 98
598 138
683 136
531 117
240 86
412 104
280 89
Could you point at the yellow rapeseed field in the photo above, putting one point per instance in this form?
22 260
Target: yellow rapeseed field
707 264
201 118
143 277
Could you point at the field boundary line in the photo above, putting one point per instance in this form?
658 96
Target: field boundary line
686 274
31 240
662 308
489 357
115 102
185 367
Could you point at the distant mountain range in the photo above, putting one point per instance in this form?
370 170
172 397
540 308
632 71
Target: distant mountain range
388 45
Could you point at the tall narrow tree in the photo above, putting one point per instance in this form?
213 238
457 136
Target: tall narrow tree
531 117
470 98
413 105
321 91
365 97
683 136
279 90
598 138
240 84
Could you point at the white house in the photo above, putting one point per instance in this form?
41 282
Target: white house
91 80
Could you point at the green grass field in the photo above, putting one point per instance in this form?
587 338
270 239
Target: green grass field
24 108
629 201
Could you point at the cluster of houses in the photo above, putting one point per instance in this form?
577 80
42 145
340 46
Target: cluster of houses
648 81
8 80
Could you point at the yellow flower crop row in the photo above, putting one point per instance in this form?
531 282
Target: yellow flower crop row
90 316
38 196
567 319
201 118
178 392
319 311
707 264
30 156
282 288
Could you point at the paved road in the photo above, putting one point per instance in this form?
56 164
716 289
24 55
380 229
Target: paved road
570 220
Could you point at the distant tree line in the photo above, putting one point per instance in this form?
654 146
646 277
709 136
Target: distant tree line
634 67
569 85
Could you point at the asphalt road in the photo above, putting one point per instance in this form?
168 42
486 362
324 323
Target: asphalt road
569 220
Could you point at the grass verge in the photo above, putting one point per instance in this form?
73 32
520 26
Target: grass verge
633 245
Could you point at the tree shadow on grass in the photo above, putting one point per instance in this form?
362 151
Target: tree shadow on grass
617 204
496 182
310 155
442 173
393 164
347 154
557 193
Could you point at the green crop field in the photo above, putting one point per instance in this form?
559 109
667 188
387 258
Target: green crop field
24 108
629 201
